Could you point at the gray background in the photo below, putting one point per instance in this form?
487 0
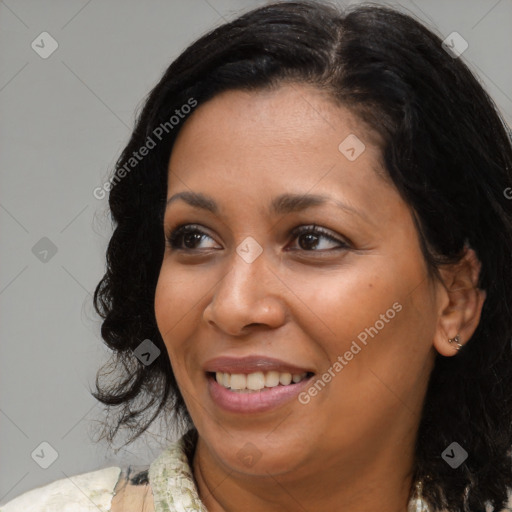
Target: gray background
63 123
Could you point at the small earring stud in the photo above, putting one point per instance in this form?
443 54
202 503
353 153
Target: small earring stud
455 340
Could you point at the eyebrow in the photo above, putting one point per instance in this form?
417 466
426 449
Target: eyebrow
280 205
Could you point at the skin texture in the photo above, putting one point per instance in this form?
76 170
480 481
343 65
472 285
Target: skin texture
303 301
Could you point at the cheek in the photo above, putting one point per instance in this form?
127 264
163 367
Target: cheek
382 370
165 303
375 310
174 313
335 307
175 297
180 299
394 334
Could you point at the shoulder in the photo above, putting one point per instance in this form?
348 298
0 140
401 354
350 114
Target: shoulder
166 484
87 492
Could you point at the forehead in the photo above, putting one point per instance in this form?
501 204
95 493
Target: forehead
290 114
293 139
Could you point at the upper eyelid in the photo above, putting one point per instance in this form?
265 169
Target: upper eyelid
190 226
295 232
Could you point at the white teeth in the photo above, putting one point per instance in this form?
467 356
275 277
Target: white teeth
271 379
257 380
285 378
238 381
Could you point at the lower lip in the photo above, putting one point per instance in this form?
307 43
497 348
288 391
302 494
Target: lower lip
258 401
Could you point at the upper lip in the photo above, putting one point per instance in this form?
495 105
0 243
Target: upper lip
251 364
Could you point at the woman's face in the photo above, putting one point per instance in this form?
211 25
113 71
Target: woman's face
351 305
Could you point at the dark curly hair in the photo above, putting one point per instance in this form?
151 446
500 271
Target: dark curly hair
445 148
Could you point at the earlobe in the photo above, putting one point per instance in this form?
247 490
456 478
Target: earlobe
460 313
456 342
447 346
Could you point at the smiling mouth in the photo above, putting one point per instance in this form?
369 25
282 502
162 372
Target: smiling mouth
257 382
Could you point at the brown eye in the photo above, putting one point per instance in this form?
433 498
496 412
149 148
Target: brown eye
186 237
309 237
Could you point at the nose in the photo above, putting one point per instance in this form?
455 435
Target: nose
249 295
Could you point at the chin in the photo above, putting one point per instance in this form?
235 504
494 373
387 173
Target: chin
257 456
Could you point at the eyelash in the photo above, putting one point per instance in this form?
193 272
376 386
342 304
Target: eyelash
185 229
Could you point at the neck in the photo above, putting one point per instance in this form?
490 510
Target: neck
330 487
